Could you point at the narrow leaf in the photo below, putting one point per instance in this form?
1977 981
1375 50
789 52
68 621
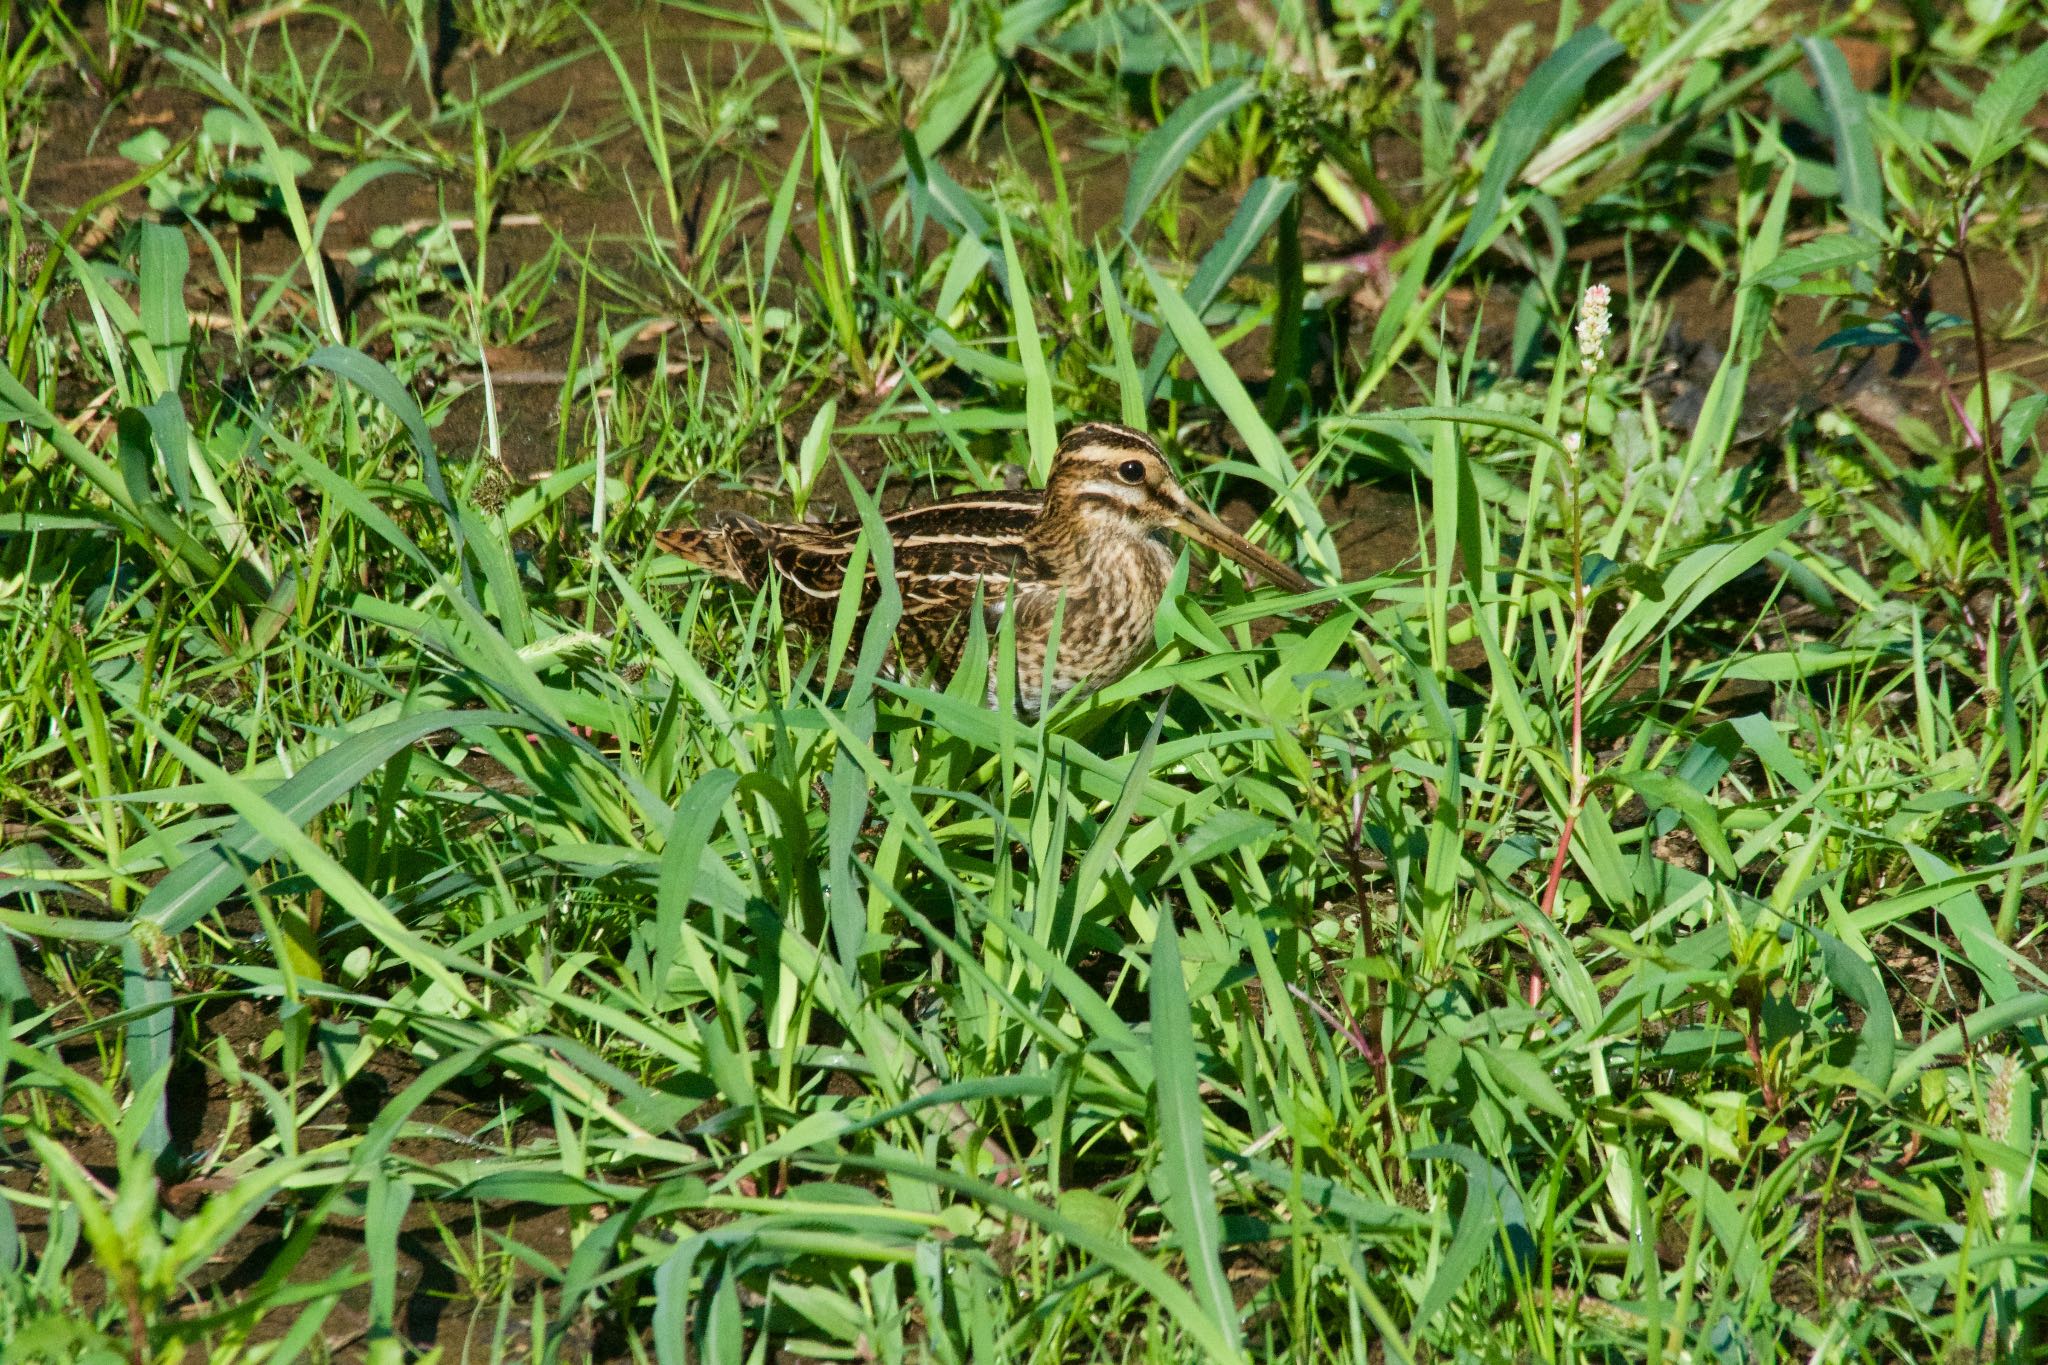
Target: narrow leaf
1167 148
1190 1199
1862 188
346 362
1552 88
163 260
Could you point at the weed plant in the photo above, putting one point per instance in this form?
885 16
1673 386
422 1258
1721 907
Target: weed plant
1604 922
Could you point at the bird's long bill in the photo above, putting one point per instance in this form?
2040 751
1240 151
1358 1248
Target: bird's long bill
1203 528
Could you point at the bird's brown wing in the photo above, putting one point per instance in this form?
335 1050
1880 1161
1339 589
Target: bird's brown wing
949 555
945 553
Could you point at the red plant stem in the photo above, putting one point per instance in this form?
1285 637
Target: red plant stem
1750 1036
1962 414
1564 843
1350 1031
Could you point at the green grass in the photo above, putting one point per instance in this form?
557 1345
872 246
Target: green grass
1605 923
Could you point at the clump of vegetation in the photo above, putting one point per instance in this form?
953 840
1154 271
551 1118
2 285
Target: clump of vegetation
1607 926
225 177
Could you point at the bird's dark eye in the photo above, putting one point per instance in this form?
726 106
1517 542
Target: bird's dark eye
1131 471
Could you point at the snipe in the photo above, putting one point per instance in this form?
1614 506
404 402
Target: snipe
1090 539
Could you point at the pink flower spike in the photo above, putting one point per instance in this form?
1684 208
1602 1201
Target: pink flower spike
1594 326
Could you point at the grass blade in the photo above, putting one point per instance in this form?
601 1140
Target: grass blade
1553 88
1190 1197
1255 216
1862 187
347 363
1167 148
1038 407
1229 392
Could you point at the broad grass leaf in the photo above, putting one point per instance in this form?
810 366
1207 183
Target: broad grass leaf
1687 585
1552 88
351 499
18 404
283 168
849 785
1995 963
1525 427
1855 978
227 1211
1139 41
1714 434
66 1175
350 185
724 1337
1974 1031
960 91
195 886
1204 1333
504 599
780 213
1778 757
1167 148
1256 213
342 888
936 195
1694 1126
1523 1073
1131 389
1098 1213
1323 1193
384 1207
1492 1209
672 1310
1228 390
31 925
1856 152
1805 660
1184 1162
681 880
2015 430
163 261
683 664
27 523
555 1189
1732 1228
146 995
1408 310
1662 789
1109 834
1038 403
1833 251
347 363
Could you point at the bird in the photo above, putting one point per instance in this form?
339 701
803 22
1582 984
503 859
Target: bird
1086 549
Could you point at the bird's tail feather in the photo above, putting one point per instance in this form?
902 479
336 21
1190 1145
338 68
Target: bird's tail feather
717 548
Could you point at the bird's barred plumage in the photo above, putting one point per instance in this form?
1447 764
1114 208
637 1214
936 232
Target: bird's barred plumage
1088 541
